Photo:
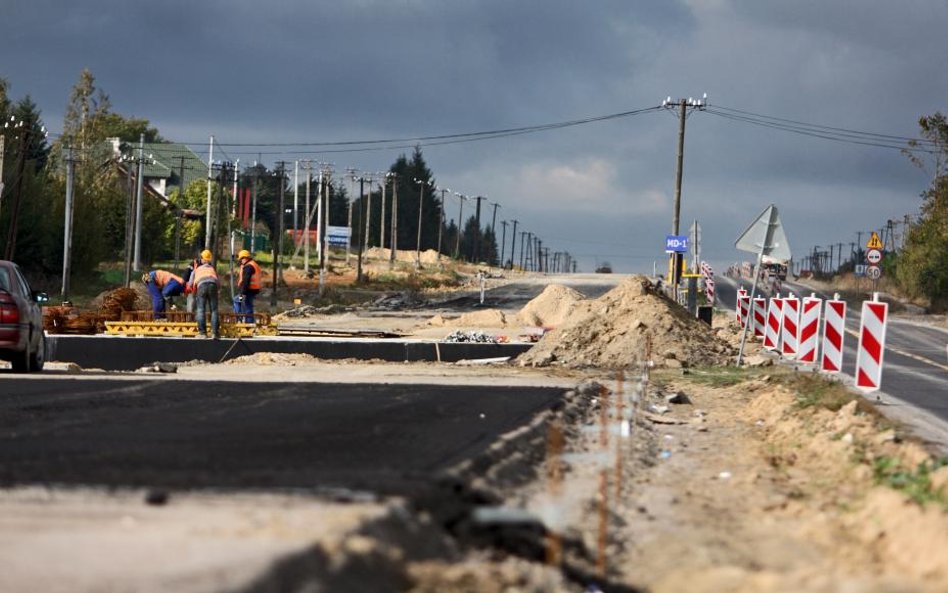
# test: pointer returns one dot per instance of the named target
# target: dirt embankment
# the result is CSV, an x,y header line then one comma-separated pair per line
x,y
625,327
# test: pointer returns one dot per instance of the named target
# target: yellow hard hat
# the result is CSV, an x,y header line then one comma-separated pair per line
x,y
206,255
243,253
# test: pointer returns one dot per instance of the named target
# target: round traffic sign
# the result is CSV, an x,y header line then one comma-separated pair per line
x,y
874,272
873,256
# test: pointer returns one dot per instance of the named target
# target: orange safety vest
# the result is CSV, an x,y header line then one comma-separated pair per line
x,y
204,273
162,277
254,279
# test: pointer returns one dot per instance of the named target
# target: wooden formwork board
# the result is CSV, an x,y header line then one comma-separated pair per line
x,y
174,329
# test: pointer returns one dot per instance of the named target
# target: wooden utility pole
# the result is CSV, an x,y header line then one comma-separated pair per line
x,y
278,240
67,222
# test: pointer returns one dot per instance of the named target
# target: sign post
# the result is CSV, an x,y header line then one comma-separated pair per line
x,y
765,236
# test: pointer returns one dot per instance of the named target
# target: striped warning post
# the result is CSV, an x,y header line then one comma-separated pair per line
x,y
743,307
737,310
772,330
871,345
834,330
809,329
790,324
760,316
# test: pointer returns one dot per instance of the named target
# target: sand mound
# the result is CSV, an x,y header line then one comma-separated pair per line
x,y
551,308
485,318
428,256
613,332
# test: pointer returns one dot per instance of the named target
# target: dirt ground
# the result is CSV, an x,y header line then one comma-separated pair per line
x,y
710,479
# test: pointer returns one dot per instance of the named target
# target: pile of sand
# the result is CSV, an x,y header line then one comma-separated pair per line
x,y
552,308
428,256
614,331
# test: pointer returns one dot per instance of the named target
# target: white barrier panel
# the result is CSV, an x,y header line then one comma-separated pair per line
x,y
809,329
871,345
790,323
834,331
772,331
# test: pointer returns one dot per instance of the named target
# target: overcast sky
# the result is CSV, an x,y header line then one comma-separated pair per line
x,y
295,71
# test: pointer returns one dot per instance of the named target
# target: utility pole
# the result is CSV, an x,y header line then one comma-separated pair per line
x,y
296,197
278,240
683,105
207,227
306,218
477,237
503,244
322,223
67,226
382,218
421,202
392,254
139,203
362,215
178,213
457,245
441,222
253,210
513,243
523,241
368,212
539,255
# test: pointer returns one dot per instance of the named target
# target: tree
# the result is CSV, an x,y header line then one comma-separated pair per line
x,y
922,267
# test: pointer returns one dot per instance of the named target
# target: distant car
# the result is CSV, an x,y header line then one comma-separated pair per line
x,y
22,341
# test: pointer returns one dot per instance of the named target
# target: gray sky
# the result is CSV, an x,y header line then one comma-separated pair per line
x,y
297,71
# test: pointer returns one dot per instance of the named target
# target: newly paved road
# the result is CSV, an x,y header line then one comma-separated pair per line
x,y
388,439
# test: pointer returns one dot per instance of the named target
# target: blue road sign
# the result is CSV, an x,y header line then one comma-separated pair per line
x,y
676,243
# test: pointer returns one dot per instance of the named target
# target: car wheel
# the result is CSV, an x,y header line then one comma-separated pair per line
x,y
38,358
21,361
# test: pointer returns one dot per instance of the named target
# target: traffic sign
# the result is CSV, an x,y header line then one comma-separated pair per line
x,y
874,241
873,256
860,269
874,272
676,243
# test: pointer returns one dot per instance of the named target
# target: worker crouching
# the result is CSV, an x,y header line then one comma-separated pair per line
x,y
205,284
162,286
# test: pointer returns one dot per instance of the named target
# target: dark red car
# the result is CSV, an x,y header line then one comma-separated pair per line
x,y
22,341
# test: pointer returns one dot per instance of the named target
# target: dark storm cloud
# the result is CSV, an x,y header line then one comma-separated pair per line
x,y
316,71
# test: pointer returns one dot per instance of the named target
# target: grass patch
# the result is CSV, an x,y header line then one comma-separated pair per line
x,y
914,483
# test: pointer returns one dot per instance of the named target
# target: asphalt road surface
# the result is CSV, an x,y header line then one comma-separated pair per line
x,y
915,369
385,439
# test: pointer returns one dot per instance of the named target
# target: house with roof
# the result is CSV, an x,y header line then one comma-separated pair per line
x,y
168,166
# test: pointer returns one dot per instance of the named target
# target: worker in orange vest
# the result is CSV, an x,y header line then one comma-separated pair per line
x,y
162,286
205,285
248,286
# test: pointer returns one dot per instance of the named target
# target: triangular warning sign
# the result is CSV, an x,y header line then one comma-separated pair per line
x,y
765,236
874,242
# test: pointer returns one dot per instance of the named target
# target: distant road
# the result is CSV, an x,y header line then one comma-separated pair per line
x,y
915,368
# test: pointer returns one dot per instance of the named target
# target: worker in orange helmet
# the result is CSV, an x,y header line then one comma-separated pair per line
x,y
248,286
162,286
205,284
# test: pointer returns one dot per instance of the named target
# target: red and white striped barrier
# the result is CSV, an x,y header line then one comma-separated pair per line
x,y
737,310
871,345
743,308
790,323
809,329
708,272
772,330
760,316
834,330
